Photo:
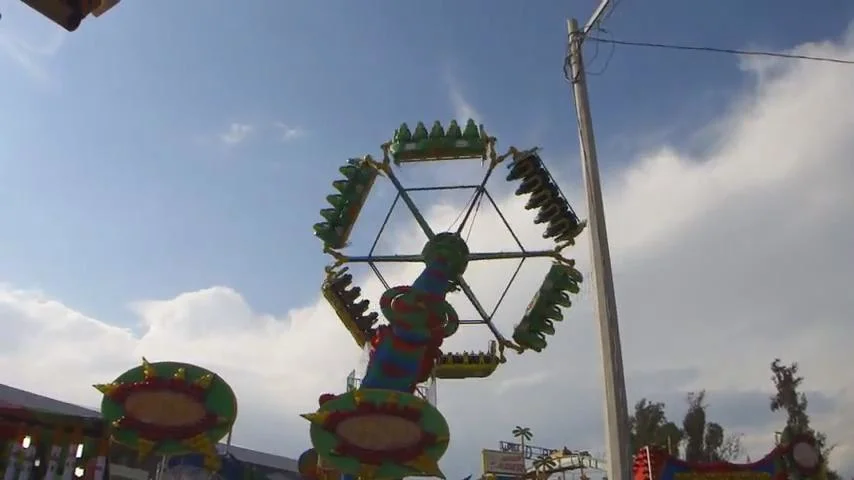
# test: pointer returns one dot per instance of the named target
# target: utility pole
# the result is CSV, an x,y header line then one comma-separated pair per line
x,y
616,408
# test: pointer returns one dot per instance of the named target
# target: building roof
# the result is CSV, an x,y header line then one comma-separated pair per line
x,y
254,457
10,396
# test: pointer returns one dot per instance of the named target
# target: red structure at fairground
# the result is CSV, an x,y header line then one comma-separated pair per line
x,y
799,459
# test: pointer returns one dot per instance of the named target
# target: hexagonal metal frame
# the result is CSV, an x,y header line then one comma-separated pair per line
x,y
480,191
477,197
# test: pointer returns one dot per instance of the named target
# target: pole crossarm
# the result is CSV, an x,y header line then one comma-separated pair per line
x,y
597,15
415,258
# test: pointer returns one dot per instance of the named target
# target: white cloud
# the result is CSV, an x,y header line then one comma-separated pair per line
x,y
289,132
29,41
463,109
722,263
236,133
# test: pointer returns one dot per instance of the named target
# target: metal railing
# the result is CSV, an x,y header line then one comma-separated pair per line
x,y
427,391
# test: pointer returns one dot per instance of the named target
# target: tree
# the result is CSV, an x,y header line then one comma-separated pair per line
x,y
787,381
707,441
713,441
650,427
543,464
702,441
789,399
524,435
731,449
694,426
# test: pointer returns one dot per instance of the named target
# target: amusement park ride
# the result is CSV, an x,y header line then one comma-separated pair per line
x,y
382,429
379,428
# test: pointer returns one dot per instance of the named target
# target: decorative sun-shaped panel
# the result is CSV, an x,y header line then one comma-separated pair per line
x,y
379,434
169,408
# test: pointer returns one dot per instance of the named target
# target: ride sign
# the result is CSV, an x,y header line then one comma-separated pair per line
x,y
503,462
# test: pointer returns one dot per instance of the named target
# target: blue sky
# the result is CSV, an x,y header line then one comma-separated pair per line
x,y
117,184
120,189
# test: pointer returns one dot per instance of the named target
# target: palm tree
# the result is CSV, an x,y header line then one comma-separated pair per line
x,y
524,435
538,463
543,464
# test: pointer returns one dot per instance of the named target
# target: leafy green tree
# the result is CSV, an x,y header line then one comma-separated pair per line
x,y
731,449
788,398
694,426
713,441
707,441
650,427
702,441
543,464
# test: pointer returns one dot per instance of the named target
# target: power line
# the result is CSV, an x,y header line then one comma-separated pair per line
x,y
731,51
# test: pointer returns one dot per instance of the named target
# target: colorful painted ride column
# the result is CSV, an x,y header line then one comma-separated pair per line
x,y
419,319
381,429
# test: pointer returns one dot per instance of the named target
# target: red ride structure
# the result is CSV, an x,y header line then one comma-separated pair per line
x,y
799,459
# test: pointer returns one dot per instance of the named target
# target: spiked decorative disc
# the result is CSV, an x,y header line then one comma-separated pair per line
x,y
169,408
380,434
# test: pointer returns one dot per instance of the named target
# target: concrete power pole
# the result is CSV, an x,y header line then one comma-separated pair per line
x,y
616,408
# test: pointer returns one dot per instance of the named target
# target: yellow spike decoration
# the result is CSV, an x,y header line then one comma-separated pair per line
x,y
204,381
144,447
318,418
106,388
198,442
180,374
147,369
202,444
393,398
367,472
426,465
212,462
358,397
